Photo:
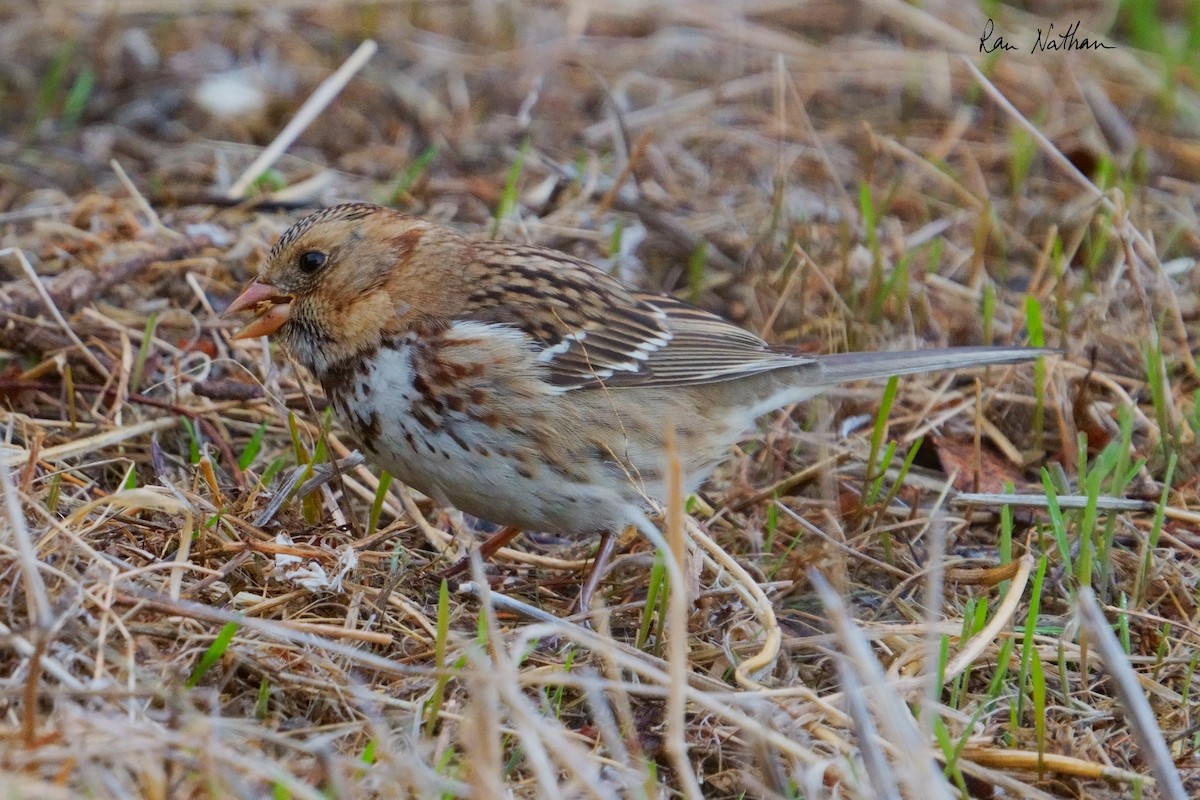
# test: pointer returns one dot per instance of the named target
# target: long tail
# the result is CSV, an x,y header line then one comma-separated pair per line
x,y
823,372
845,367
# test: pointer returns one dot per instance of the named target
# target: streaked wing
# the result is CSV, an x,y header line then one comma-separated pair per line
x,y
594,332
704,348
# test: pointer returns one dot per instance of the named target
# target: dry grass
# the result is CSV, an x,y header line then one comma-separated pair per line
x,y
836,176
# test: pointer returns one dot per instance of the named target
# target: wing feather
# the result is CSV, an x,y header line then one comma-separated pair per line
x,y
592,332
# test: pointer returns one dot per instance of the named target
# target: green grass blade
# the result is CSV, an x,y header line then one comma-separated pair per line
x,y
508,197
139,365
434,704
214,652
253,447
385,480
412,173
879,431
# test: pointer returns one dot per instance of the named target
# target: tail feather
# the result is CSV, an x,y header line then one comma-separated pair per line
x,y
823,372
845,367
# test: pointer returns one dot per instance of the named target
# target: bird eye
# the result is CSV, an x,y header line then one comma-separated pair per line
x,y
311,261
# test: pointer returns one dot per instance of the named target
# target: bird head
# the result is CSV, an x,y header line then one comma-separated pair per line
x,y
339,281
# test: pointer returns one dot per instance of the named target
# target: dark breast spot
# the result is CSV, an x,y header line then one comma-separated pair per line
x,y
422,416
489,418
341,374
373,428
458,440
446,374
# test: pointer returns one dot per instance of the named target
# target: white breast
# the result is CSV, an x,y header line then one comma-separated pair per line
x,y
459,453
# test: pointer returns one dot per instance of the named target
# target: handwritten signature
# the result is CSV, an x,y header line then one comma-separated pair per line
x,y
1071,40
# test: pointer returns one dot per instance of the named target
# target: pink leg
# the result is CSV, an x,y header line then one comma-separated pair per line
x,y
486,550
604,553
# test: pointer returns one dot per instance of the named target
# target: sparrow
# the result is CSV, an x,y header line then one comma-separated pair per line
x,y
522,385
